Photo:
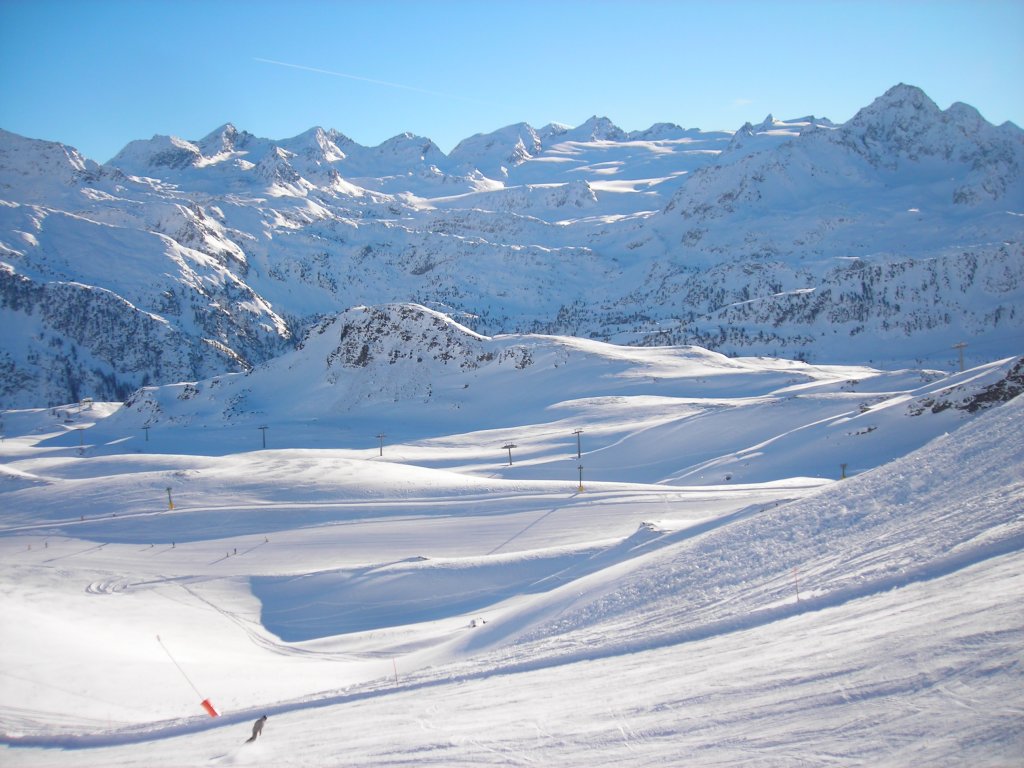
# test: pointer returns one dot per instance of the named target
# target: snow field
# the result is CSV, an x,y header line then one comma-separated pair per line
x,y
419,608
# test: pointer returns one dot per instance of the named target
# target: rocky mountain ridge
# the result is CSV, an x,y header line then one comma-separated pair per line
x,y
429,377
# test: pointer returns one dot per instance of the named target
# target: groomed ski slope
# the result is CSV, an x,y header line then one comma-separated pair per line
x,y
386,614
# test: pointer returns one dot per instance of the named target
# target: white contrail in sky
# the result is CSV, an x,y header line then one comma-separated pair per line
x,y
371,80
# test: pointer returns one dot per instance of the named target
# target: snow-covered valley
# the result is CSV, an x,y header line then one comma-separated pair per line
x,y
426,546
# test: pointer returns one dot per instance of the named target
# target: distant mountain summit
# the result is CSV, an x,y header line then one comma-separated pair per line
x,y
884,240
144,155
494,153
904,124
597,129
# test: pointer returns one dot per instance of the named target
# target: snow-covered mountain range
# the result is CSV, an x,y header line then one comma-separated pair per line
x,y
883,241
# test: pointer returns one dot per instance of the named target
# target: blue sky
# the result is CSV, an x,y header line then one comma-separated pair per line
x,y
97,74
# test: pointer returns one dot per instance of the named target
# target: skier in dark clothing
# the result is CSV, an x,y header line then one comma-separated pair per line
x,y
257,729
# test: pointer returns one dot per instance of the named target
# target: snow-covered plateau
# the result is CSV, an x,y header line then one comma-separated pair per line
x,y
408,543
882,241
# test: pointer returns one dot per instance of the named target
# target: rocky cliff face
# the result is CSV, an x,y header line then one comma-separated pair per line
x,y
883,240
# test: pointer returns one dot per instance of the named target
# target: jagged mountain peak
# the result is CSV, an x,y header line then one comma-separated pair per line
x,y
598,129
276,168
971,122
494,153
745,131
901,105
904,124
406,138
659,131
144,156
412,147
320,135
552,130
901,149
965,115
56,157
226,139
220,139
904,92
509,133
514,130
41,172
318,145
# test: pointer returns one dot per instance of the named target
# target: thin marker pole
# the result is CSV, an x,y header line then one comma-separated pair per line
x,y
205,703
174,661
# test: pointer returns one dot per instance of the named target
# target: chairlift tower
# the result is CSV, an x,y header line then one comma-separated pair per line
x,y
509,447
959,346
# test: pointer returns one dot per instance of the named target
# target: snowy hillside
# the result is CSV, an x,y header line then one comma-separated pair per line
x,y
445,575
433,376
882,241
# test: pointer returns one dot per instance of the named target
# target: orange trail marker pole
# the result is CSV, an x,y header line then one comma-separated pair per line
x,y
205,703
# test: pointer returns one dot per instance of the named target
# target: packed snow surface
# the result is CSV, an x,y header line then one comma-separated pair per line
x,y
691,583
